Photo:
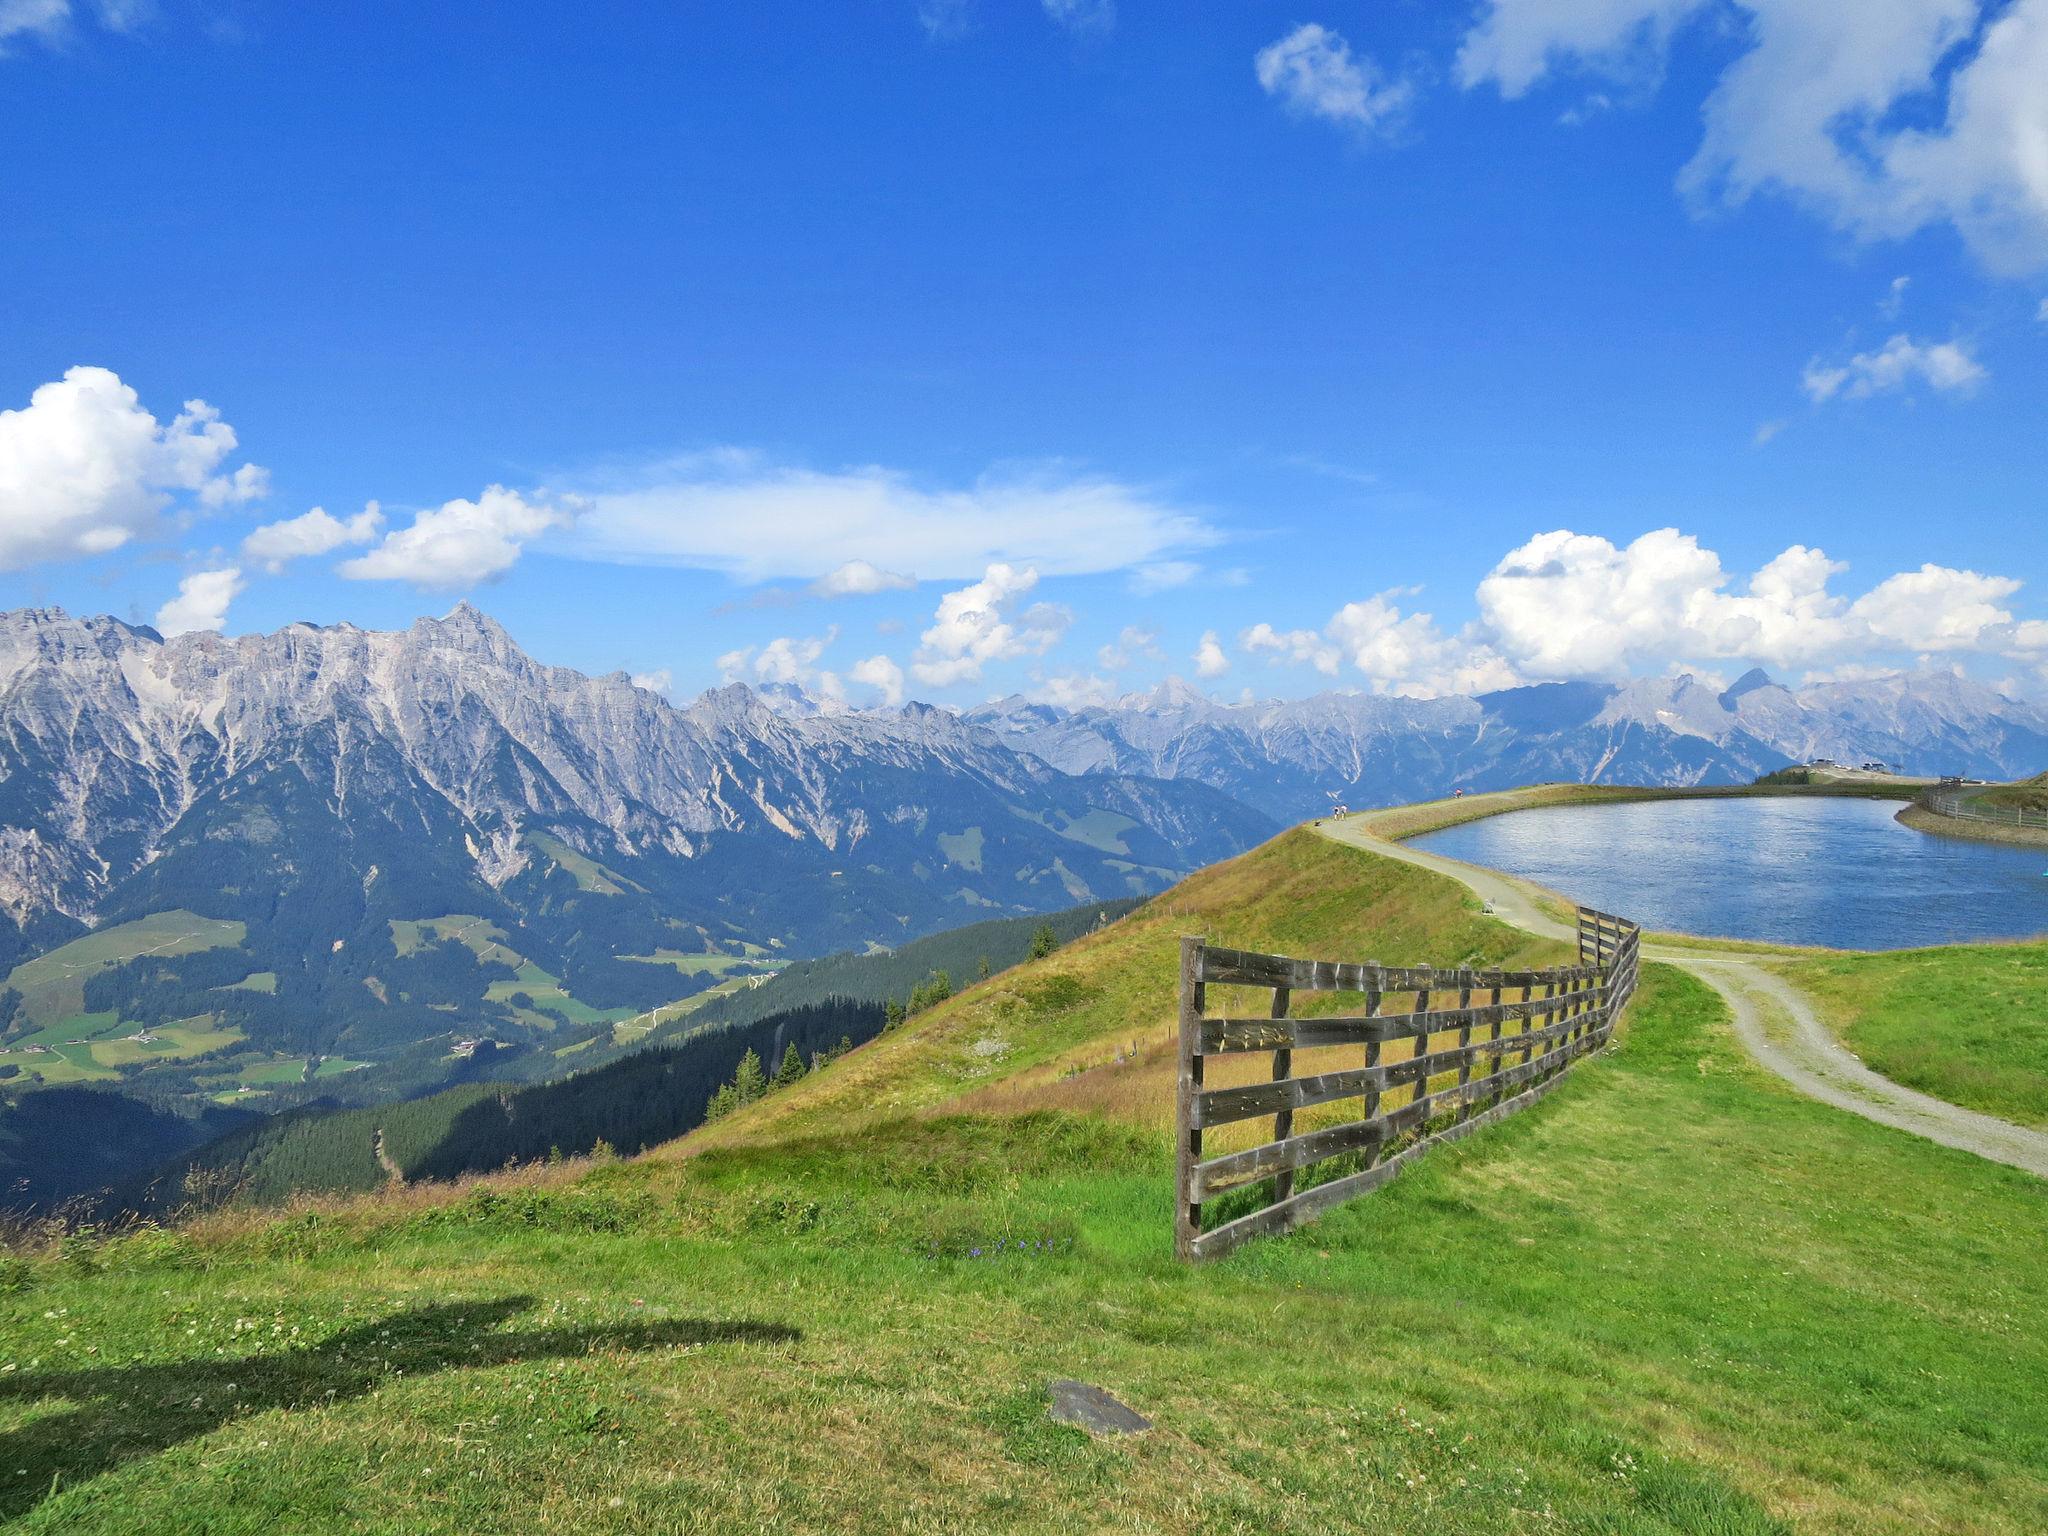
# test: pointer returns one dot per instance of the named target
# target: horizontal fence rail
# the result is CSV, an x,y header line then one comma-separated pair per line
x,y
1469,1047
1967,807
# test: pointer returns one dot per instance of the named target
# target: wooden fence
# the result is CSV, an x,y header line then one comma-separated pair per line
x,y
1967,807
1462,1064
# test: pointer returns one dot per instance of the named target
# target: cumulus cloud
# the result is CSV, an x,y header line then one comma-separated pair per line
x,y
1575,605
1937,608
660,681
202,601
1132,641
880,674
460,543
1569,605
1313,73
986,622
1075,690
84,468
1946,366
731,512
1302,647
1209,658
1405,653
857,578
1814,107
318,532
792,659
1397,652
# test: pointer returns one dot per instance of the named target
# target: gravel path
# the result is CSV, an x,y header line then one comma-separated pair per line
x,y
1771,1018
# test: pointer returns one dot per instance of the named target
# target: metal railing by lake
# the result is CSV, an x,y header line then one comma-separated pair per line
x,y
1965,806
1503,1052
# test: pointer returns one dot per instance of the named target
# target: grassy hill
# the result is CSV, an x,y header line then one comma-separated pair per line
x,y
2030,794
1674,1297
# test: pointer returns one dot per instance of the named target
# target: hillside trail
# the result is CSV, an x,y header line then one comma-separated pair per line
x,y
1772,1019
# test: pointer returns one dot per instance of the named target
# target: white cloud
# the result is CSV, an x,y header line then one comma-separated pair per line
x,y
202,601
51,21
1571,605
1132,641
460,543
1408,654
1313,72
1162,576
1303,647
1816,107
984,622
1946,366
1937,609
785,659
1575,605
1082,15
1209,659
857,578
1765,431
943,19
1894,298
2041,314
84,468
881,674
660,681
318,532
729,512
1403,653
791,659
43,19
1075,691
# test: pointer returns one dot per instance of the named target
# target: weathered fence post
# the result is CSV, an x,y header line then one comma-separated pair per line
x,y
1283,1121
1188,1220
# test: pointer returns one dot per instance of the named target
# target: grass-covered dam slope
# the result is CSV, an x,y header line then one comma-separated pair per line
x,y
1673,1297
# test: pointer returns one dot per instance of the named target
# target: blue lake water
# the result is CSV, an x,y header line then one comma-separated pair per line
x,y
1842,873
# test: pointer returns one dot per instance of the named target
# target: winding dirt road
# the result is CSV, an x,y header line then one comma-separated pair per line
x,y
1773,1021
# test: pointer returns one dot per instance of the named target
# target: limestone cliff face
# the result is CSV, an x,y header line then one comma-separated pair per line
x,y
113,737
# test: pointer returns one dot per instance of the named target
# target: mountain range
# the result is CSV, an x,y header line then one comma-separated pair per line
x,y
334,861
239,864
1293,758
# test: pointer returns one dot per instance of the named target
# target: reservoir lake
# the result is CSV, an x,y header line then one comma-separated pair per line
x,y
1840,873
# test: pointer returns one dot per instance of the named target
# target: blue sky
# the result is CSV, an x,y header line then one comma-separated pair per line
x,y
951,349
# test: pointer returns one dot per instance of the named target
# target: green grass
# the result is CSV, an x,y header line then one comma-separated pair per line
x,y
484,939
1672,1297
291,1070
1968,1024
962,848
699,964
2028,794
188,1037
255,981
52,986
548,992
586,871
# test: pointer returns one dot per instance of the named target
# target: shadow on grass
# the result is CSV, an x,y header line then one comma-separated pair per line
x,y
120,1413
